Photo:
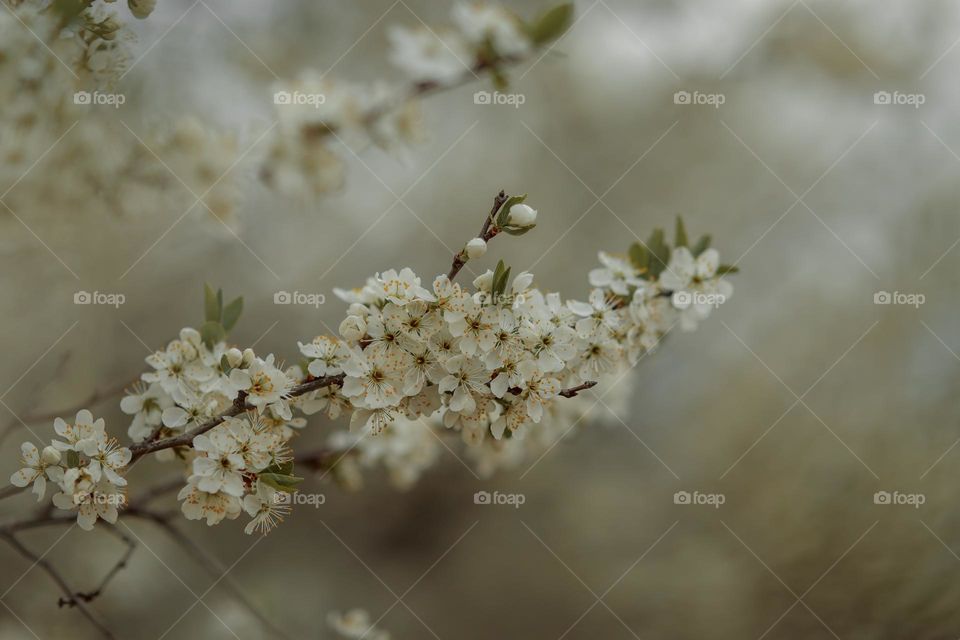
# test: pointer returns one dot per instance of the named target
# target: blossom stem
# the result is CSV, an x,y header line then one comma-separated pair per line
x,y
487,231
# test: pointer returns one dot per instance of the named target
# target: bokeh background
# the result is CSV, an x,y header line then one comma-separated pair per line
x,y
797,401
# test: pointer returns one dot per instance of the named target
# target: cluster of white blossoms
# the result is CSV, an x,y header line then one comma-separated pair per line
x,y
315,112
239,464
86,466
491,362
497,362
482,34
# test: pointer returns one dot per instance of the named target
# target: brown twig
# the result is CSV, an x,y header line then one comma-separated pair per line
x,y
44,564
487,231
573,391
87,596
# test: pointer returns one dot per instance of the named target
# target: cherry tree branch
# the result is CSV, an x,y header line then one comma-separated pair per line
x,y
240,406
573,391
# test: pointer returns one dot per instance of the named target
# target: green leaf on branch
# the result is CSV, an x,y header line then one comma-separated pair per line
x,y
724,269
225,365
281,481
501,276
659,252
284,469
211,333
231,313
702,245
517,231
680,237
211,304
551,24
73,459
639,257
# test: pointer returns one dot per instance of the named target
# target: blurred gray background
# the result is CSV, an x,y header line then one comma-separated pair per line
x,y
798,400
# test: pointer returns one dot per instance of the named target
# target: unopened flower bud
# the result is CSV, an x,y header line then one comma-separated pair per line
x,y
141,8
234,357
50,455
522,215
357,309
352,328
476,248
248,357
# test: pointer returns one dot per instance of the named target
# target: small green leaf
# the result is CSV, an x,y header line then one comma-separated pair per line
x,y
501,276
724,269
497,271
680,237
639,257
551,24
211,333
231,313
225,365
660,252
501,218
517,231
210,305
285,469
73,459
281,481
702,245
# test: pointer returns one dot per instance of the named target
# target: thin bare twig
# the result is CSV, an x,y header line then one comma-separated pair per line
x,y
487,231
87,596
50,570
